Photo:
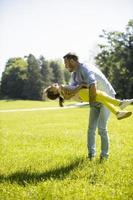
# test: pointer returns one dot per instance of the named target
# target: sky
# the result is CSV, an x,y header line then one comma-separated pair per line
x,y
53,28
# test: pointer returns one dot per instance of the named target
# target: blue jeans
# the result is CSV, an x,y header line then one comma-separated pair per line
x,y
99,115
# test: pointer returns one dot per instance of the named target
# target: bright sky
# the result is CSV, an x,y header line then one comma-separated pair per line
x,y
53,28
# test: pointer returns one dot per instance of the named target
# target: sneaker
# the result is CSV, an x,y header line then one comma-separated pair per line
x,y
125,103
123,114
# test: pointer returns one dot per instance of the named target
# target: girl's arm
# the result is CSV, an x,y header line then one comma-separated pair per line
x,y
70,91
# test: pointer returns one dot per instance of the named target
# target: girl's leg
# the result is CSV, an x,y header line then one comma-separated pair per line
x,y
111,107
115,109
110,102
103,96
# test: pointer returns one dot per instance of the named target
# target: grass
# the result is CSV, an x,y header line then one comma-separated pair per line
x,y
15,104
43,156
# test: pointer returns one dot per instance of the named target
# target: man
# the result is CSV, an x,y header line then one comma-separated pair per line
x,y
99,114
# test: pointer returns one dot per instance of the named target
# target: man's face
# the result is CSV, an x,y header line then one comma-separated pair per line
x,y
69,64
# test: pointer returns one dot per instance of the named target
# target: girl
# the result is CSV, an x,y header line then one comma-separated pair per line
x,y
81,93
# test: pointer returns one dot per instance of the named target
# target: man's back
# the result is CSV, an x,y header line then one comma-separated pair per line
x,y
102,82
91,75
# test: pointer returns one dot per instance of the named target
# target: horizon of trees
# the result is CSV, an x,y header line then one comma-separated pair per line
x,y
26,78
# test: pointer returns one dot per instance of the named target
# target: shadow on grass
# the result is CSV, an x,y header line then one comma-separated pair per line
x,y
24,177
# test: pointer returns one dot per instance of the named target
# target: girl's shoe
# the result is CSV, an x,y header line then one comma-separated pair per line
x,y
123,114
125,103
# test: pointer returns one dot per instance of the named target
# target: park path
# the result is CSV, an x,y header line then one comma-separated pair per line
x,y
46,108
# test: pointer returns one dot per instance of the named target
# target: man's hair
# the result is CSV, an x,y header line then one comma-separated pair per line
x,y
71,56
51,95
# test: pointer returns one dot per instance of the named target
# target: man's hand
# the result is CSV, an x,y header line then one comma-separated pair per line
x,y
92,93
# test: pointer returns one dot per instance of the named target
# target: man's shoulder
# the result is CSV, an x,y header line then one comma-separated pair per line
x,y
84,66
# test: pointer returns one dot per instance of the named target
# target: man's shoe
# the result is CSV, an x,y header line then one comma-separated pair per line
x,y
103,159
91,158
123,114
125,103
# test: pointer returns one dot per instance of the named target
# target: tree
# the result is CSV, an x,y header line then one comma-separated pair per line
x,y
33,85
116,59
57,72
13,77
46,72
67,76
27,77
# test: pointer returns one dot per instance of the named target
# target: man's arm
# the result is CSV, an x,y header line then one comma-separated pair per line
x,y
92,93
70,91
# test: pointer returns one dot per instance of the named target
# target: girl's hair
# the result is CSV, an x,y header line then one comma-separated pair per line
x,y
61,101
51,95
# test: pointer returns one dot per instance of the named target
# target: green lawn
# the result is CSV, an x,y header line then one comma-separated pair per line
x,y
43,156
15,104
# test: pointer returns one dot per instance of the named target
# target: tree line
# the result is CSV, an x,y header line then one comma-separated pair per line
x,y
25,78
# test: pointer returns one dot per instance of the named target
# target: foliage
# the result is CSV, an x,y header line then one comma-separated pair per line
x,y
25,78
58,74
13,77
67,76
46,72
116,59
33,84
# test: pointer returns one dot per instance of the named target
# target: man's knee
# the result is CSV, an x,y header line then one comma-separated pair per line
x,y
102,131
91,130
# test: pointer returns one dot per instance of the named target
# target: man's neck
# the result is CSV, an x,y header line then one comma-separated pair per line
x,y
76,66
